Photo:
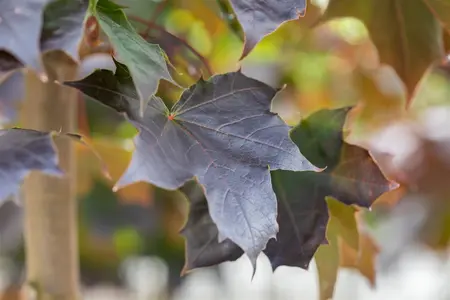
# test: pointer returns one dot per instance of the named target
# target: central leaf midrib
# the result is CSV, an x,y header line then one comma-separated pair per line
x,y
247,221
212,163
178,113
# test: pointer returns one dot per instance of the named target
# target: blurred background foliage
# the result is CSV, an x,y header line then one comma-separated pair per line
x,y
326,66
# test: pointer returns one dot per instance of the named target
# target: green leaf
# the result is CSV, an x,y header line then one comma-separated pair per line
x,y
146,62
342,224
406,33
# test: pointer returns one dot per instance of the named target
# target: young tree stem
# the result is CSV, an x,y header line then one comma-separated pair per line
x,y
50,205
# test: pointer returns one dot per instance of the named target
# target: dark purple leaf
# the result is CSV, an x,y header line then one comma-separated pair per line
x,y
220,131
29,27
302,210
11,91
63,26
258,18
21,151
302,217
201,234
20,30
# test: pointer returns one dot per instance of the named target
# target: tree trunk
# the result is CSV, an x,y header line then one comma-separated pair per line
x,y
50,205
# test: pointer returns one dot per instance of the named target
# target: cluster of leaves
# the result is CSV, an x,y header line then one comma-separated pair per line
x,y
259,185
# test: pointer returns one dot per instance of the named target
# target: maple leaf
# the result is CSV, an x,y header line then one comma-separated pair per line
x,y
21,151
392,24
17,18
11,92
201,234
260,18
49,25
146,62
222,132
63,26
62,29
351,176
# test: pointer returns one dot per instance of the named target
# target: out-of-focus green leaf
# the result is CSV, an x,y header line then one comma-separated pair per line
x,y
199,38
127,241
179,21
342,225
441,10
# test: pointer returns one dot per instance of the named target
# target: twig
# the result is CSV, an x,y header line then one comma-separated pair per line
x,y
229,16
83,123
152,25
158,10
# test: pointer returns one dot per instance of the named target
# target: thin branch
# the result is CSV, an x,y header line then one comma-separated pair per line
x,y
227,13
158,10
152,25
83,123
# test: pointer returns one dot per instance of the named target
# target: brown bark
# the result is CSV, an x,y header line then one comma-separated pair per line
x,y
50,206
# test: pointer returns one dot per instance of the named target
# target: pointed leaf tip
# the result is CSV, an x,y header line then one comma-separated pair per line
x,y
259,19
146,62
